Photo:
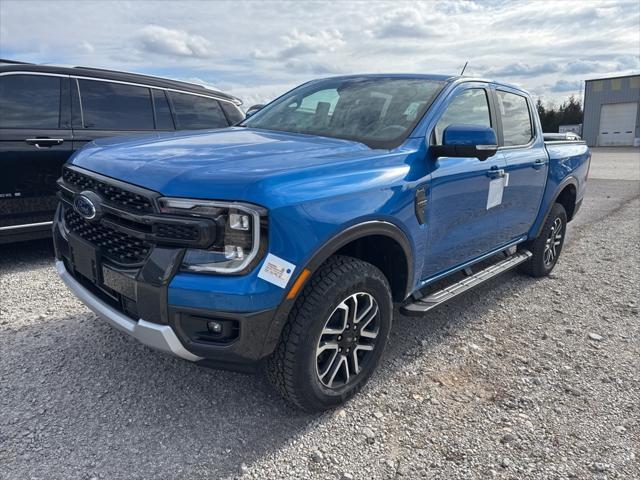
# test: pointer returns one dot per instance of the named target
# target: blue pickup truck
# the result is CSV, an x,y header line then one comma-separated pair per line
x,y
285,241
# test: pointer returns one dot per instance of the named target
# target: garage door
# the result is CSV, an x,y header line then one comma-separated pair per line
x,y
617,124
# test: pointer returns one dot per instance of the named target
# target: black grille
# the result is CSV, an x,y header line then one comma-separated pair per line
x,y
116,246
115,195
177,232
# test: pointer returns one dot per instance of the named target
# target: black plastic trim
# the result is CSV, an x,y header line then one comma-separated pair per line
x,y
355,232
206,227
247,348
150,195
566,182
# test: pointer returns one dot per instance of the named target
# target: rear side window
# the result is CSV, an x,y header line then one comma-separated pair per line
x,y
164,121
470,107
115,106
29,101
234,114
516,119
194,112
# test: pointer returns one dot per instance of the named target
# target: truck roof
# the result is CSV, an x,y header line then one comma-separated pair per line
x,y
431,76
12,65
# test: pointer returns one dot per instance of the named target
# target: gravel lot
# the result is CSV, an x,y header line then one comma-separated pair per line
x,y
518,379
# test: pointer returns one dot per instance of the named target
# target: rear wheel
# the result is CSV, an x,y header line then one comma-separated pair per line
x,y
335,335
546,248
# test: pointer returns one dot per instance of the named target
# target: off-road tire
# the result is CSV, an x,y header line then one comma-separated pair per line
x,y
292,368
537,265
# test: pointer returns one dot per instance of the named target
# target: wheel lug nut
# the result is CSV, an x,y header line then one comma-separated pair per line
x,y
339,337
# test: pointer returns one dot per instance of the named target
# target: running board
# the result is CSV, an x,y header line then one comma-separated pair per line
x,y
418,307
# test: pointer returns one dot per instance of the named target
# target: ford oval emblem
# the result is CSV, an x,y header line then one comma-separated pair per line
x,y
85,207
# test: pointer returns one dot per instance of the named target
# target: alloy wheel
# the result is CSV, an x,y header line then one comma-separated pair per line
x,y
347,340
553,243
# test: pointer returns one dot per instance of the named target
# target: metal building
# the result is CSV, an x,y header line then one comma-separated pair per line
x,y
612,111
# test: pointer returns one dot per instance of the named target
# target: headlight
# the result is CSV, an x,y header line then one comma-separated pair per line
x,y
240,234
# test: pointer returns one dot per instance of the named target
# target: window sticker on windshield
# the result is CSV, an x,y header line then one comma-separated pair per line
x,y
276,270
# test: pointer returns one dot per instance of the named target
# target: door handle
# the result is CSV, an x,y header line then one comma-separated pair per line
x,y
44,142
539,163
496,173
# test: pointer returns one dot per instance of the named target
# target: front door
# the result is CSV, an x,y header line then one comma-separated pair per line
x,y
35,140
527,163
462,222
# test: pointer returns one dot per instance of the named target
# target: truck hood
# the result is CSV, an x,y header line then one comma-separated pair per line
x,y
228,164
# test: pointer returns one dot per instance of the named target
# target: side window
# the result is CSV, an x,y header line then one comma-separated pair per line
x,y
470,107
164,121
234,114
29,101
194,112
516,119
115,106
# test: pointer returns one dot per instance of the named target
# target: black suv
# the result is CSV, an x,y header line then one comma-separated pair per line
x,y
47,112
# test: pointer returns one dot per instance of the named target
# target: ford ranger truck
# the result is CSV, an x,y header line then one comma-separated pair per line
x,y
285,241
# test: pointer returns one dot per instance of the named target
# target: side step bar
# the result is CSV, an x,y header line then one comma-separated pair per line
x,y
418,307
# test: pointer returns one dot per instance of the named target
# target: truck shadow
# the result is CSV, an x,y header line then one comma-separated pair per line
x,y
101,395
25,255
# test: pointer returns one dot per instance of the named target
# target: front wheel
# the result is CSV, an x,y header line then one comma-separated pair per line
x,y
335,335
547,246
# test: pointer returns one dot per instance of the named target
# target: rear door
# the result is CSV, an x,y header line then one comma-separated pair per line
x,y
105,108
527,163
462,224
35,140
196,112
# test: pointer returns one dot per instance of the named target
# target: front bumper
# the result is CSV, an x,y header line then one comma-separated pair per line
x,y
125,262
145,311
160,337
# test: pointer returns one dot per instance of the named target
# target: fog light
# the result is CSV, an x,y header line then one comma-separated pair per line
x,y
214,327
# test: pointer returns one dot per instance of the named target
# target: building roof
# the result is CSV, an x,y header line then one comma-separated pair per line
x,y
613,76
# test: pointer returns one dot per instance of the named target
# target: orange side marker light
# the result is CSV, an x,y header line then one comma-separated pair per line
x,y
297,285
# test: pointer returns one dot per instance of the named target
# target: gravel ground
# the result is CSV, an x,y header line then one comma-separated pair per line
x,y
615,163
518,379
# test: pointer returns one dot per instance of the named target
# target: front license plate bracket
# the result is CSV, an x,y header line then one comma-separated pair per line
x,y
85,259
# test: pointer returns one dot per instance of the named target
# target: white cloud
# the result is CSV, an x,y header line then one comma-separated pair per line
x,y
256,50
297,44
411,23
166,41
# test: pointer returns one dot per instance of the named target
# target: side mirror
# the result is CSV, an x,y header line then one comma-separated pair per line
x,y
467,141
253,109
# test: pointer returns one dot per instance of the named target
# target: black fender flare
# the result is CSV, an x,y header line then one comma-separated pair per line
x,y
570,180
344,237
361,230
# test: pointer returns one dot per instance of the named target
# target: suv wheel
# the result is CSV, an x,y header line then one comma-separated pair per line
x,y
547,246
335,335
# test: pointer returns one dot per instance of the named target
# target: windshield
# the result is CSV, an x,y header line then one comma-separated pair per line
x,y
379,112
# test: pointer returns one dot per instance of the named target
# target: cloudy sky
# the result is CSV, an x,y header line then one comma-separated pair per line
x,y
257,50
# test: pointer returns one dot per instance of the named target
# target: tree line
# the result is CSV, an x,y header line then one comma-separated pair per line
x,y
568,113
